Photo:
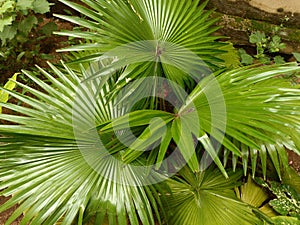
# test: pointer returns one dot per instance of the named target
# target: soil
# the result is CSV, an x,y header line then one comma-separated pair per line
x,y
294,161
6,214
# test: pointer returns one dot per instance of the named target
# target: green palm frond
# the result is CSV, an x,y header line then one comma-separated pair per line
x,y
43,162
252,193
8,85
206,198
159,38
260,114
248,111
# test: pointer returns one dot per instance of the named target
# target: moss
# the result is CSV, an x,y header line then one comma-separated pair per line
x,y
294,35
233,22
263,26
239,19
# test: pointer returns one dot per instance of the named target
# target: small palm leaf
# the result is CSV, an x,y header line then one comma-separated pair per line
x,y
252,193
206,198
55,172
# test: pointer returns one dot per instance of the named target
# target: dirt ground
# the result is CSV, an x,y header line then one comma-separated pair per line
x,y
5,215
294,161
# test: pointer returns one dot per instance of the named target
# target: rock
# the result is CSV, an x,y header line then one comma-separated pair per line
x,y
239,18
276,12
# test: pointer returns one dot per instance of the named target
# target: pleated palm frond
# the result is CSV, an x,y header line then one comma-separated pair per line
x,y
206,198
149,38
250,113
43,163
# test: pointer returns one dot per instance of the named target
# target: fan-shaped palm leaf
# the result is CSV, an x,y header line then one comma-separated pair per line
x,y
206,198
152,36
261,113
43,162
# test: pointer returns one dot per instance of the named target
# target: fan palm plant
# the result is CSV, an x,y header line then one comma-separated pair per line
x,y
127,136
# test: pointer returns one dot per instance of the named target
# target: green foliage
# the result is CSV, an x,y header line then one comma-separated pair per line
x,y
17,15
62,183
48,28
58,173
252,193
287,200
246,59
230,57
258,38
275,211
180,36
206,198
264,46
285,220
279,60
297,56
21,32
10,85
275,44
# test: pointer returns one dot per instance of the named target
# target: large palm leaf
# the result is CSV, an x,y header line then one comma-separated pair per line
x,y
44,165
261,113
151,37
248,111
